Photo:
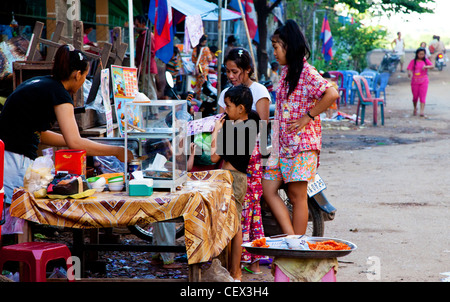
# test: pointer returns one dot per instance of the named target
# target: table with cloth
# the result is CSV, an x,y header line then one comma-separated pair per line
x,y
205,203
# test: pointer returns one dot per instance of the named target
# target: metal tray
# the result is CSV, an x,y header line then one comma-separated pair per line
x,y
310,254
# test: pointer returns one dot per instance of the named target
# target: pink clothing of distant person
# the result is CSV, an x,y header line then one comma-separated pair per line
x,y
419,79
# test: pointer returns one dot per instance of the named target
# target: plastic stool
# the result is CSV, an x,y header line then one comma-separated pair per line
x,y
36,255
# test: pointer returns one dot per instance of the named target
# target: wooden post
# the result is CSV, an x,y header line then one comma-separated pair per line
x,y
102,17
219,43
51,15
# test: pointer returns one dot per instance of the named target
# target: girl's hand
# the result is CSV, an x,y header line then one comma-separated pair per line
x,y
299,124
219,123
193,147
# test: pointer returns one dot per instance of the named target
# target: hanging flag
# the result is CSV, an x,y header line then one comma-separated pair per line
x,y
250,16
160,14
327,39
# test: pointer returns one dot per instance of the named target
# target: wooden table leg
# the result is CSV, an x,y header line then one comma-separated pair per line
x,y
195,272
27,235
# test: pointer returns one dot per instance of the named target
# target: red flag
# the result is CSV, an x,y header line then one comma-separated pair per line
x,y
250,16
160,13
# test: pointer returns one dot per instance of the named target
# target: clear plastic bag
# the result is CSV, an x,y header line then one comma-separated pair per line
x,y
216,273
108,164
40,173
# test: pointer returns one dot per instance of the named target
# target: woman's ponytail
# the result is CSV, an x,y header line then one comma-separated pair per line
x,y
68,60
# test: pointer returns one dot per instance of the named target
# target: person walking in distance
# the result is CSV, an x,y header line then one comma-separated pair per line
x,y
398,45
417,71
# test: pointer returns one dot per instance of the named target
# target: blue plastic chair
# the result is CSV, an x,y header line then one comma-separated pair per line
x,y
371,77
340,81
348,80
381,84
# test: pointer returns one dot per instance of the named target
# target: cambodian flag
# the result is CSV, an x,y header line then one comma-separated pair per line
x,y
327,39
250,16
160,14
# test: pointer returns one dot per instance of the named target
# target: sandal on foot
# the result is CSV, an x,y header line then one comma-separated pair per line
x,y
251,272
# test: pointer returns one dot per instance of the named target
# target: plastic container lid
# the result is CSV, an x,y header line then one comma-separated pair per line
x,y
145,181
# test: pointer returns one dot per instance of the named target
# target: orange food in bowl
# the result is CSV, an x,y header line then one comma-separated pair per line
x,y
259,242
328,245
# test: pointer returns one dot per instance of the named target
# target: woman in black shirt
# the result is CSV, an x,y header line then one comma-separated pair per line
x,y
32,109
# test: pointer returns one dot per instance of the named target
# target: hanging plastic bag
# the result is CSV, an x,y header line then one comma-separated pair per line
x,y
39,174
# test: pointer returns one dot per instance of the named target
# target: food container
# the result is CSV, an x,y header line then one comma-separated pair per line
x,y
276,242
71,161
115,187
297,242
141,187
97,183
115,180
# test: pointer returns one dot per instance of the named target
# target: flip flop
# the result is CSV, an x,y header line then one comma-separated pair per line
x,y
251,272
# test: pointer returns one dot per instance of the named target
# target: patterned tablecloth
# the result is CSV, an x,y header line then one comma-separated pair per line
x,y
205,202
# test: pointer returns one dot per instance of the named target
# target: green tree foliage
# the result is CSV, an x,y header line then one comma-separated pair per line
x,y
352,42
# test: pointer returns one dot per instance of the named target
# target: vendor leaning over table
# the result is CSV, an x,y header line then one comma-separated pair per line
x,y
31,110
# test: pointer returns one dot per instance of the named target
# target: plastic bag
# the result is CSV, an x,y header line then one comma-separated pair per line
x,y
216,273
108,164
203,141
40,173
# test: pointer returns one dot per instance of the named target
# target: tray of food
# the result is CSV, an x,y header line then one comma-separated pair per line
x,y
300,247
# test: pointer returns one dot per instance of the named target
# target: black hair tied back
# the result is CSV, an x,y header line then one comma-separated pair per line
x,y
68,60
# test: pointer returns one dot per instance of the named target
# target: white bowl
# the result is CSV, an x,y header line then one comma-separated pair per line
x,y
115,187
99,189
296,242
97,182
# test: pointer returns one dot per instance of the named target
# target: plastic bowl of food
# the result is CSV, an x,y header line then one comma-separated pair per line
x,y
297,242
100,189
97,182
116,179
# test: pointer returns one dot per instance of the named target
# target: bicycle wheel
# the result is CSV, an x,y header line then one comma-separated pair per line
x,y
145,230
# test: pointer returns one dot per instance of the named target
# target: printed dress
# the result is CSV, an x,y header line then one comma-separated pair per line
x,y
297,157
252,227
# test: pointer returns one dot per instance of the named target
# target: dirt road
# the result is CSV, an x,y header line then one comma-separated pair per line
x,y
390,185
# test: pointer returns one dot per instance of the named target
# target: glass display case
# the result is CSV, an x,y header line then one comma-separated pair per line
x,y
161,127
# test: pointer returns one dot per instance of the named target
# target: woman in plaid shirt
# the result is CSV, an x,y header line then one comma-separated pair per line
x,y
302,95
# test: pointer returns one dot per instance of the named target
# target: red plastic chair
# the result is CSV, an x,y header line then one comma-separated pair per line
x,y
36,255
367,99
2,160
340,82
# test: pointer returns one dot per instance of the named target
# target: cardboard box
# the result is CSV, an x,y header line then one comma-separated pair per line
x,y
71,161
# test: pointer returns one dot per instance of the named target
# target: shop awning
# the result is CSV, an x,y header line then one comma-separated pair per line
x,y
207,10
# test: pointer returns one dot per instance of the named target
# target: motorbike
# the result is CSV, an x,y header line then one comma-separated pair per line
x,y
440,61
389,62
320,210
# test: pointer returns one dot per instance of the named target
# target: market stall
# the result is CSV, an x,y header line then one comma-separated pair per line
x,y
205,203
